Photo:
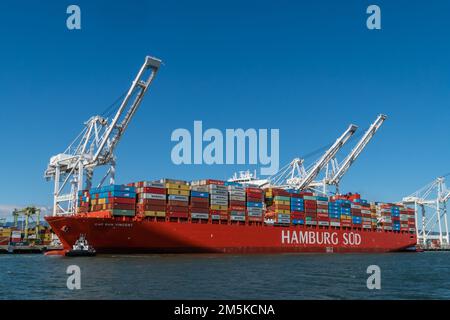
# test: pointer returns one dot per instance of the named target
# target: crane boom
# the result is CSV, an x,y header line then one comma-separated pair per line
x,y
137,89
94,146
348,161
327,156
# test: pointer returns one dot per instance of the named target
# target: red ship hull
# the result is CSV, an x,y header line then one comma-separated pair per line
x,y
109,235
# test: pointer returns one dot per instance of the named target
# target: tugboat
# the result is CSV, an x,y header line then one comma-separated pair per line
x,y
81,248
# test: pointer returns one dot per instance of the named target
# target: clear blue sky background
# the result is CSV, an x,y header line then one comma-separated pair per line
x,y
307,68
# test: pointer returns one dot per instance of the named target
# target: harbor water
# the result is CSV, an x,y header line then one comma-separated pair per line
x,y
204,276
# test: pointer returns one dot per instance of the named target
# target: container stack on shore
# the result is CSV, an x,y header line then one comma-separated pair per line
x,y
117,200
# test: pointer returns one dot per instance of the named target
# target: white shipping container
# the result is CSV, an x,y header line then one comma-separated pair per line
x,y
218,192
217,187
219,202
219,197
335,224
200,188
237,218
324,223
253,209
199,215
325,203
236,188
237,198
152,196
153,184
254,214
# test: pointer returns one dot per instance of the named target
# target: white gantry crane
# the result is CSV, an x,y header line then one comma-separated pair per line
x,y
94,146
335,171
430,203
294,175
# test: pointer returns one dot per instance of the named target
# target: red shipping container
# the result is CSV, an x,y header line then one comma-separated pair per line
x,y
200,205
254,197
121,200
177,209
175,214
280,192
322,206
293,211
153,190
177,203
237,203
155,202
150,207
257,191
218,182
237,208
255,219
296,195
199,210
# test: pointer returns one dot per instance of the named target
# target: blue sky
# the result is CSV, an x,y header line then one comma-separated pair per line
x,y
307,68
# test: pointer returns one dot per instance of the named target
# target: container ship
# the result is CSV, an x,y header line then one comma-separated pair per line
x,y
213,216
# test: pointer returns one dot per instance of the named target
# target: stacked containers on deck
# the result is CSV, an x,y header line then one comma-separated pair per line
x,y
385,213
404,217
237,207
199,204
411,220
373,215
323,218
254,202
151,199
345,211
297,208
366,214
218,197
279,206
310,202
395,213
334,213
84,198
177,198
356,215
118,200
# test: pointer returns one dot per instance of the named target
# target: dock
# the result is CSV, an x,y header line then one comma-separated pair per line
x,y
27,249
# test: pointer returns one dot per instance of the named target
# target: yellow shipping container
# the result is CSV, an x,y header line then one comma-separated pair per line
x,y
219,207
178,192
101,201
177,186
154,213
282,202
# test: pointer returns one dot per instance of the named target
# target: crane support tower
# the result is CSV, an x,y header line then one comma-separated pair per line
x,y
430,205
73,169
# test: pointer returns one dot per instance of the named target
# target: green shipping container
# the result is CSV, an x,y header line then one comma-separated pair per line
x,y
128,213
